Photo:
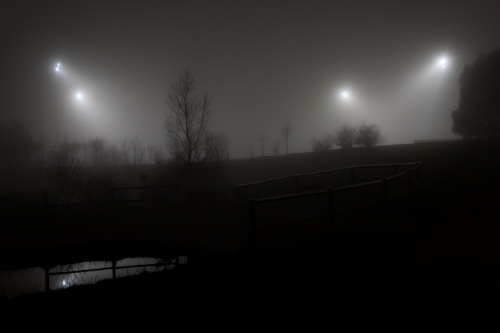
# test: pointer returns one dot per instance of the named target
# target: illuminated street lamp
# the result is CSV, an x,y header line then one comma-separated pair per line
x,y
442,63
58,70
79,96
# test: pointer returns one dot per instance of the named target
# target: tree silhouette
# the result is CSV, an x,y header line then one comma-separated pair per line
x,y
323,144
186,123
478,112
216,148
367,135
65,171
262,141
277,147
97,148
286,130
345,137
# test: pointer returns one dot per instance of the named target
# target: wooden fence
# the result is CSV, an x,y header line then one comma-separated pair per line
x,y
412,176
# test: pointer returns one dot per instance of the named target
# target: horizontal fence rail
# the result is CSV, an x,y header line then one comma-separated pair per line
x,y
412,177
296,178
172,262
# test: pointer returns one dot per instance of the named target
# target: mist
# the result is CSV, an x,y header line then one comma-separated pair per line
x,y
262,64
279,145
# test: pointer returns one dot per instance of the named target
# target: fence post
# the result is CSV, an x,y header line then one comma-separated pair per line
x,y
47,276
114,268
252,206
395,168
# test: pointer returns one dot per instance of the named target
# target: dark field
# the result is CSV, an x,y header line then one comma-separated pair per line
x,y
433,251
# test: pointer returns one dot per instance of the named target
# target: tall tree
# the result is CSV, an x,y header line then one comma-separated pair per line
x,y
186,123
286,130
478,112
262,141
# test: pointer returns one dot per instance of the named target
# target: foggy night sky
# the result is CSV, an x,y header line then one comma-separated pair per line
x,y
262,62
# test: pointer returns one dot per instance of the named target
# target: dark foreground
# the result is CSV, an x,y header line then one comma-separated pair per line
x,y
433,254
416,266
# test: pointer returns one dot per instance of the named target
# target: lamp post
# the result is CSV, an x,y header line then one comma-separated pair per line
x,y
58,70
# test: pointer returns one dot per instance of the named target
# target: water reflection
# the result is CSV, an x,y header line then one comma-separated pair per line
x,y
19,282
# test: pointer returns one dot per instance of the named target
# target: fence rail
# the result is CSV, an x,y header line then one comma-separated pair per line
x,y
170,262
396,167
413,178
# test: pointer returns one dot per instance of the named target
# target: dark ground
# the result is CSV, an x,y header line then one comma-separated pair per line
x,y
433,254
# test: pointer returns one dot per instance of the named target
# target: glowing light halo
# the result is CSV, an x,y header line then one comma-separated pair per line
x,y
345,94
442,62
79,96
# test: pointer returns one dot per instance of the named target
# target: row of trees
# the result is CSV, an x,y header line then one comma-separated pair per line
x,y
282,143
97,152
347,137
189,140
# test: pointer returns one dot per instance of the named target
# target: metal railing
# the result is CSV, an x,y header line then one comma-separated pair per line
x,y
296,178
171,262
413,178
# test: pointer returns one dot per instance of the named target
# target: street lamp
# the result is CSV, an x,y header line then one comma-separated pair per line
x,y
442,63
58,70
345,95
79,96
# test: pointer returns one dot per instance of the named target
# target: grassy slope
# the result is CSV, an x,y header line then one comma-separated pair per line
x,y
436,249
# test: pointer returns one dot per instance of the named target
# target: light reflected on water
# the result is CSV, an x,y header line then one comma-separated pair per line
x,y
19,282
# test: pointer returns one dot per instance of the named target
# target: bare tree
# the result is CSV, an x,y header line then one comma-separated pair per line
x,y
345,136
286,130
323,144
368,135
251,150
112,155
262,140
125,150
216,147
40,150
85,148
138,150
65,171
97,148
151,153
277,147
186,123
158,156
